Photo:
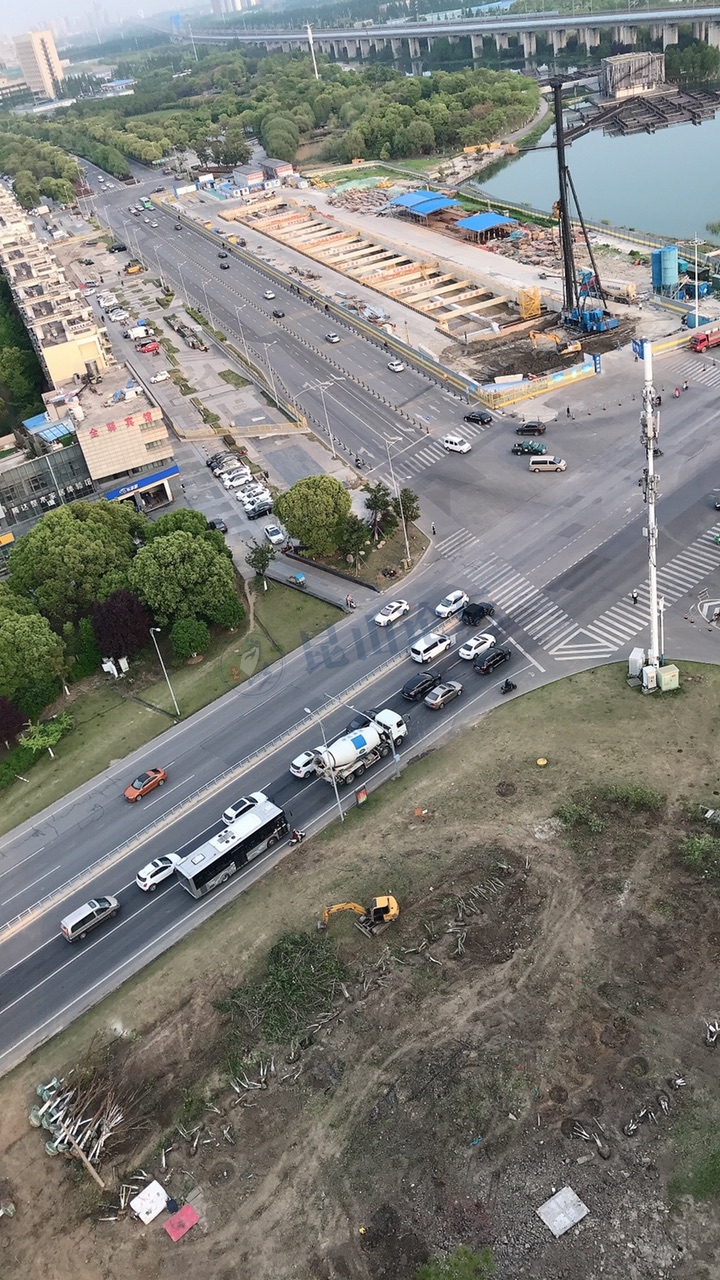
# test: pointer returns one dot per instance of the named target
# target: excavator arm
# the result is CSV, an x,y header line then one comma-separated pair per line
x,y
339,906
370,920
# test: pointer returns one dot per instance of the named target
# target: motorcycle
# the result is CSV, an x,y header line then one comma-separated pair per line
x,y
508,686
297,837
676,393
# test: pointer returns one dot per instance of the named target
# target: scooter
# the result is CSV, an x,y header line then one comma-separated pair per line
x,y
508,686
297,837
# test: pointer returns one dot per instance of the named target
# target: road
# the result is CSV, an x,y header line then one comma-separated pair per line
x,y
559,555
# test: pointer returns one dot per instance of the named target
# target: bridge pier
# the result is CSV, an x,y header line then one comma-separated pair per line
x,y
502,40
590,37
528,41
559,40
669,34
713,34
477,44
397,48
624,34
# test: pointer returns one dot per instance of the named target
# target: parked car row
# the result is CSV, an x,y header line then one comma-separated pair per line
x,y
235,475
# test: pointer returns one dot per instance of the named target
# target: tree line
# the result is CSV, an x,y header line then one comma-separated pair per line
x,y
87,582
21,375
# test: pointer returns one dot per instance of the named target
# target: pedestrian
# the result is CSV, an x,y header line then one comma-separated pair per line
x,y
635,596
568,411
432,528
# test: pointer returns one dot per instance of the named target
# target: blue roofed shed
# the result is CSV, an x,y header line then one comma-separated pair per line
x,y
484,226
421,204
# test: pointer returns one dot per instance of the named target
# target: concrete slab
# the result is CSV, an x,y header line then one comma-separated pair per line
x,y
562,1211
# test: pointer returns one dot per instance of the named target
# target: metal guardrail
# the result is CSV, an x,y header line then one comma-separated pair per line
x,y
203,793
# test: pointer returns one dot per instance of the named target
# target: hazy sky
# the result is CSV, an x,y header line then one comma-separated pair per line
x,y
34,14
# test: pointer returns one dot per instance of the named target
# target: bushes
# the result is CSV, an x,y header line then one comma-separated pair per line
x,y
15,765
701,853
189,637
633,796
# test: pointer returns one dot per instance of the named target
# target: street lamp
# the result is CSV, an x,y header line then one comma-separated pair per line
x,y
207,304
153,632
242,331
269,368
315,716
182,284
400,505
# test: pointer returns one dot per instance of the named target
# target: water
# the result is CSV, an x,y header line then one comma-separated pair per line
x,y
667,183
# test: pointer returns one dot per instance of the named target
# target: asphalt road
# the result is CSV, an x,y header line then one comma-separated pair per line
x,y
559,555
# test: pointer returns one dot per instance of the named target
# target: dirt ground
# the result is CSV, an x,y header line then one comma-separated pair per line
x,y
510,355
547,980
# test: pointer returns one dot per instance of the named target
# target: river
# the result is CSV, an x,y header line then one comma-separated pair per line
x,y
667,183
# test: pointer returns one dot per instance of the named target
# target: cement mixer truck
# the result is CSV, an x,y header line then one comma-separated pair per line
x,y
349,757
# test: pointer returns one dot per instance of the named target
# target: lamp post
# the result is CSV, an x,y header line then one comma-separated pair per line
x,y
153,632
182,284
400,505
207,304
242,331
269,368
315,716
322,387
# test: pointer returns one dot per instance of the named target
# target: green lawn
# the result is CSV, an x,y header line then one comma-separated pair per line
x,y
112,720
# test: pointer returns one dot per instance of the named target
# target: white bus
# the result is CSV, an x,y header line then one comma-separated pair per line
x,y
212,863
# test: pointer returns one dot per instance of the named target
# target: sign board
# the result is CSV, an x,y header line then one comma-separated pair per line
x,y
361,796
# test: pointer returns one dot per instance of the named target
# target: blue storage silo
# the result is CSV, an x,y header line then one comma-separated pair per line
x,y
656,267
669,267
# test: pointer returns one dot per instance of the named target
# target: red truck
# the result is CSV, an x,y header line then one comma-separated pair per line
x,y
701,341
148,348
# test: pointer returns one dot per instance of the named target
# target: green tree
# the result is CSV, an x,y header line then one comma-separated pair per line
x,y
46,735
121,625
189,637
407,506
26,189
62,562
29,650
82,648
227,611
260,555
312,512
12,721
353,535
379,502
461,1264
180,576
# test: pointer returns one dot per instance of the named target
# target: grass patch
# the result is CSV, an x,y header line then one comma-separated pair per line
x,y
165,299
233,378
632,796
701,853
209,418
182,384
576,814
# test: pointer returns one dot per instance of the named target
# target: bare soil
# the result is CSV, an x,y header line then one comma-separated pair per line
x,y
544,982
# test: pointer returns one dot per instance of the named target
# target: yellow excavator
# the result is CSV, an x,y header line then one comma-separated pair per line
x,y
564,348
371,920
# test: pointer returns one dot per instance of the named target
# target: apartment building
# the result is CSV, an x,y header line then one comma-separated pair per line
x,y
95,441
39,63
61,324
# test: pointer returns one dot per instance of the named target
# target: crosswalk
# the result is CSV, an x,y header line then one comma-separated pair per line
x,y
695,369
551,627
407,466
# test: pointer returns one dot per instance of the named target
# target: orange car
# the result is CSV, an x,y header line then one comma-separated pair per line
x,y
145,783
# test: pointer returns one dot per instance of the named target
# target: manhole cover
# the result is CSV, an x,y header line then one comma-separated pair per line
x,y
506,789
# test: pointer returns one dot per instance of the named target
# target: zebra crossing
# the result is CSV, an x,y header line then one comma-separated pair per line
x,y
544,621
408,466
696,369
551,627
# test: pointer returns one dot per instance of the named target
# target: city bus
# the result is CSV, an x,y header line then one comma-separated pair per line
x,y
147,204
212,863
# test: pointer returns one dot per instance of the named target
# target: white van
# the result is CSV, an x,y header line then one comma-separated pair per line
x,y
85,918
431,646
455,444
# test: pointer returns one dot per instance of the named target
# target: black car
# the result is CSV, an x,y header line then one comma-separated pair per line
x,y
487,662
178,226
474,613
117,248
278,314
530,429
158,190
262,509
479,416
218,524
224,266
418,686
360,721
222,254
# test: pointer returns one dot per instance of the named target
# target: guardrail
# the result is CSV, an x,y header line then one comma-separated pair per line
x,y
203,793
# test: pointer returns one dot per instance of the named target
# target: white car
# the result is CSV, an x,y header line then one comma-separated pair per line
x,y
331,337
392,611
154,224
235,481
452,604
256,499
274,535
162,376
241,806
120,317
480,643
396,366
455,444
148,878
268,295
304,764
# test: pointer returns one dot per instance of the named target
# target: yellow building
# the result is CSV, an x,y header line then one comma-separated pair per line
x,y
39,62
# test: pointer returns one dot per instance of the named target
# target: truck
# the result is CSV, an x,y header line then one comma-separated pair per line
x,y
351,755
702,341
134,269
140,331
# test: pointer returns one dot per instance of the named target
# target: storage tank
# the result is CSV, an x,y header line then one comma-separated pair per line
x,y
669,266
92,368
656,268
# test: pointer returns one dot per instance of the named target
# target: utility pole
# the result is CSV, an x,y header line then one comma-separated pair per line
x,y
650,424
563,206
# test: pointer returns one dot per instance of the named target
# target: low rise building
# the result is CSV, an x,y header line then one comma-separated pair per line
x,y
276,168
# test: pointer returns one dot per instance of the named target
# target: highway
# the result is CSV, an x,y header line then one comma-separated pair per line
x,y
558,555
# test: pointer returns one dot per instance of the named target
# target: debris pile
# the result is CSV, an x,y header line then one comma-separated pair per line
x,y
89,1114
359,199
